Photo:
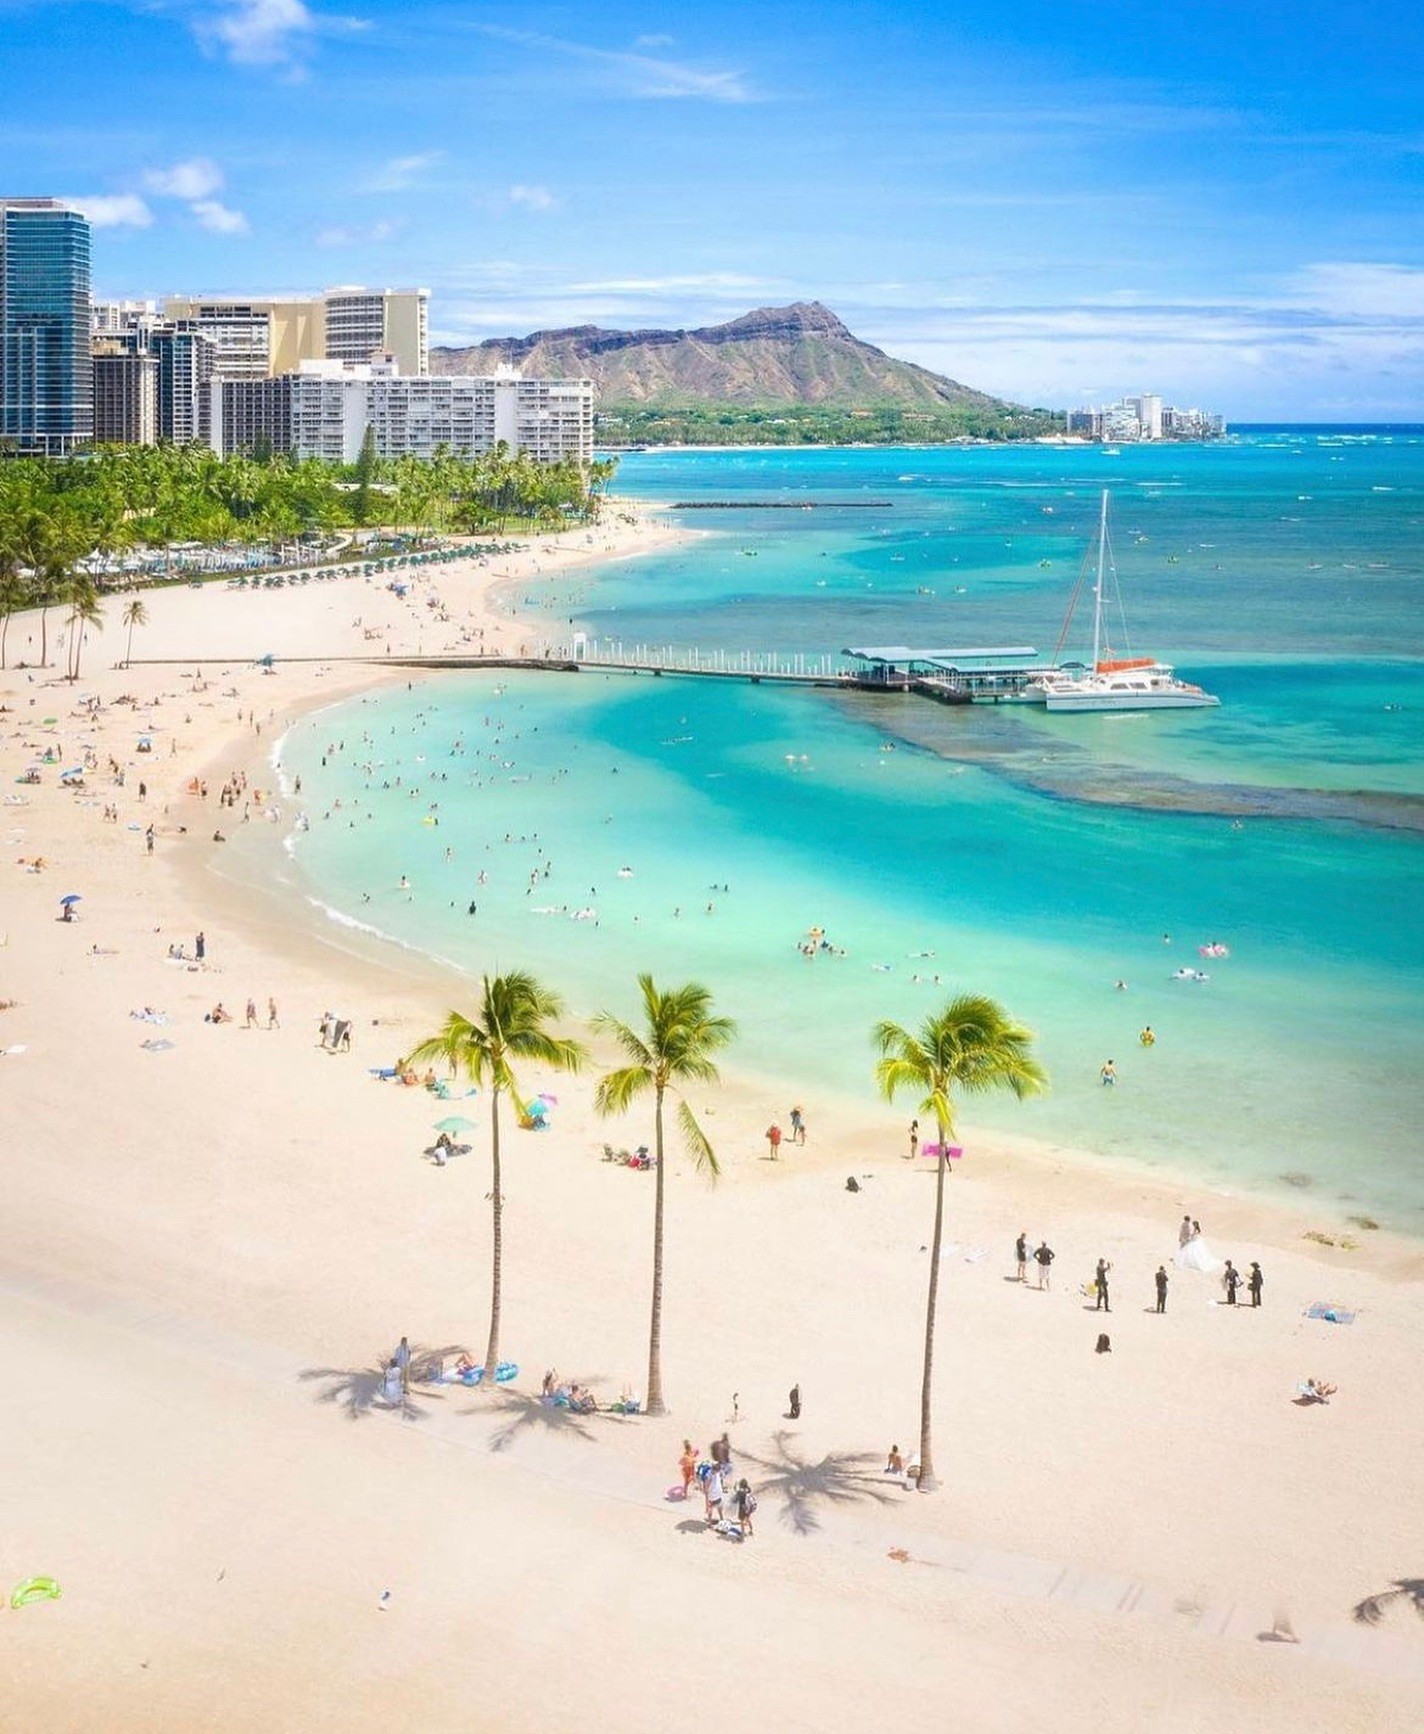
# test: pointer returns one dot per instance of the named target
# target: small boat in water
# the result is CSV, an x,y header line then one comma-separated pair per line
x,y
1111,682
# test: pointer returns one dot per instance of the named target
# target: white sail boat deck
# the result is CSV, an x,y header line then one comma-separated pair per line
x,y
1116,682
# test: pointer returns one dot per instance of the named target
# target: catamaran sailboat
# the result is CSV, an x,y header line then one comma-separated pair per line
x,y
1116,682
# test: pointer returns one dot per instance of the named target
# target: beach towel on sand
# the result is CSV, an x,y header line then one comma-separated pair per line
x,y
1333,1314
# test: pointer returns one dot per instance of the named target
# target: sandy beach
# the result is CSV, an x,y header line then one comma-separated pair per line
x,y
215,1235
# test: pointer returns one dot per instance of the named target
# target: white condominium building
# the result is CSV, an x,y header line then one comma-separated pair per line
x,y
260,338
327,406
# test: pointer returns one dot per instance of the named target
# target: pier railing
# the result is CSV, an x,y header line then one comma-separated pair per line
x,y
639,657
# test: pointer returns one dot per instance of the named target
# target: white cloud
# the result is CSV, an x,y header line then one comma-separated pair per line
x,y
338,235
1358,290
115,210
645,42
259,32
218,219
399,173
634,74
532,198
266,32
198,178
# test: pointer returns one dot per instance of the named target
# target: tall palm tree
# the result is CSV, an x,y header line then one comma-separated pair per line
x,y
14,595
972,1046
510,1024
679,1037
135,614
84,611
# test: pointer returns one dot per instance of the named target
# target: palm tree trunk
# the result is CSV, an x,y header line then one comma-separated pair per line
x,y
44,635
492,1347
128,648
4,634
928,1482
656,1406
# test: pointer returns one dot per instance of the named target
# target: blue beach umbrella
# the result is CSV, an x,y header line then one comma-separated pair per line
x,y
73,897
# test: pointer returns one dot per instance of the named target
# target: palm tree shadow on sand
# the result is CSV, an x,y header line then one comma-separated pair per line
x,y
839,1478
1407,1590
360,1391
524,1414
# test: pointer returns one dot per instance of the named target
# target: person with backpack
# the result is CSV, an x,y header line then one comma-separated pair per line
x,y
746,1504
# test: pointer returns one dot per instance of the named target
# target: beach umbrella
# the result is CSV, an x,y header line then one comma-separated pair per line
x,y
454,1123
73,897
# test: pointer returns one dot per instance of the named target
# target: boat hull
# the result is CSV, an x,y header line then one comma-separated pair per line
x,y
1083,701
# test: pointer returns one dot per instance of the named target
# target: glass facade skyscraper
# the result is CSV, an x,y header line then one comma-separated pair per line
x,y
46,376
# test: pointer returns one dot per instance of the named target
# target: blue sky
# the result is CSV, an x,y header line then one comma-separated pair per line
x,y
1059,200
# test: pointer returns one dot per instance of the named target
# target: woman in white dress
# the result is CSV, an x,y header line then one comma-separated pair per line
x,y
1193,1254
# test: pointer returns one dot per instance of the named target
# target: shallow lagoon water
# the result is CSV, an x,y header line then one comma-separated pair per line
x,y
991,840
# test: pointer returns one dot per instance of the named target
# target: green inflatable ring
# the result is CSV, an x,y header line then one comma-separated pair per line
x,y
34,1589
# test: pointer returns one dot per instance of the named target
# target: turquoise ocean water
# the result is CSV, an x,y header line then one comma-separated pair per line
x,y
1039,859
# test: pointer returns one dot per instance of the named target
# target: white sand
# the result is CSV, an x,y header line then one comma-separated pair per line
x,y
193,1235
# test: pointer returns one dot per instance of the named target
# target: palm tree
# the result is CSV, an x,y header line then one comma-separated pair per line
x,y
14,596
84,611
511,1024
972,1046
135,614
679,1037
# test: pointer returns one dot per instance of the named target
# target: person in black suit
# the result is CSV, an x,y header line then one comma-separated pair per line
x,y
1161,1280
1231,1277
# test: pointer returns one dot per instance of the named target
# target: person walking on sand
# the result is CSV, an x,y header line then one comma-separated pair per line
x,y
1254,1282
401,1358
773,1138
687,1465
1161,1280
1021,1256
798,1127
793,1404
914,1139
712,1492
1230,1281
745,1505
200,947
272,1023
250,1023
1043,1258
1100,1287
1184,1233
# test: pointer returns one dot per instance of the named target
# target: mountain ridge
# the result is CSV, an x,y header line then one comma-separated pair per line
x,y
799,355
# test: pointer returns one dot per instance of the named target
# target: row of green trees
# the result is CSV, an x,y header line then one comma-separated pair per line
x,y
972,1046
820,424
60,519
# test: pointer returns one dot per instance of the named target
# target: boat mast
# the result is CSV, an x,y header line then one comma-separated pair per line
x,y
1098,588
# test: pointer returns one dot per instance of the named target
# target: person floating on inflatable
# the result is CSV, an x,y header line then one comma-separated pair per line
x,y
1148,1038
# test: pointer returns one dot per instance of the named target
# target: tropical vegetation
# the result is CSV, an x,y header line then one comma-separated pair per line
x,y
67,525
819,425
510,1025
676,1042
971,1046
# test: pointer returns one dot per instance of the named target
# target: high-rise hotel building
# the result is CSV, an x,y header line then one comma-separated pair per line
x,y
260,338
46,375
325,409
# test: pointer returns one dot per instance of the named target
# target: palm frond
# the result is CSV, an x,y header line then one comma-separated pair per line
x,y
617,1091
696,1140
627,1038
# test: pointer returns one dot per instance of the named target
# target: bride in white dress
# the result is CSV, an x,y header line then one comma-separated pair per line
x,y
1193,1254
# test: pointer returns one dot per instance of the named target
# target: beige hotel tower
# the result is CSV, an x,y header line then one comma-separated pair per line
x,y
259,338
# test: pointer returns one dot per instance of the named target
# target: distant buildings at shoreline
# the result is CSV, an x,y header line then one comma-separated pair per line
x,y
1144,418
308,376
